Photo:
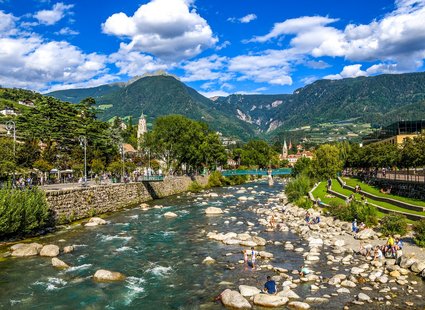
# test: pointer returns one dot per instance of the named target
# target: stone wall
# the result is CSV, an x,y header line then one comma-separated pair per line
x,y
401,188
79,203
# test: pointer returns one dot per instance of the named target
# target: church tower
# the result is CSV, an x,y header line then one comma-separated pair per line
x,y
284,150
142,128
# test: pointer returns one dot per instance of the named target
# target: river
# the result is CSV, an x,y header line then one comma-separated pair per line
x,y
162,258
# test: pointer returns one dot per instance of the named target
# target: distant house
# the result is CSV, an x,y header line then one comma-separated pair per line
x,y
27,103
293,158
231,162
129,149
8,112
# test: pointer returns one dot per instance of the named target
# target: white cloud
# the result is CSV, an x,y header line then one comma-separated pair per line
x,y
134,63
244,20
67,31
348,72
271,66
205,69
309,79
7,24
51,17
215,93
168,29
222,45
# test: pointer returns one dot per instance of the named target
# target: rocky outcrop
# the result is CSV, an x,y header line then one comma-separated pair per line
x,y
50,250
266,300
234,300
103,275
26,249
56,262
213,211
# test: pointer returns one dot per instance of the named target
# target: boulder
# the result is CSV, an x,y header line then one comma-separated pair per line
x,y
213,210
343,290
50,250
299,305
348,283
418,267
363,297
356,270
265,255
288,293
366,234
208,260
56,262
258,240
26,249
234,300
243,198
170,215
266,300
68,249
316,300
407,261
339,243
248,291
103,275
94,221
395,274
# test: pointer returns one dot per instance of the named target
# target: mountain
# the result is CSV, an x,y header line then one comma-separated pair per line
x,y
155,96
377,100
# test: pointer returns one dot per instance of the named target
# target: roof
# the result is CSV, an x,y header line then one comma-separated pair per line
x,y
128,148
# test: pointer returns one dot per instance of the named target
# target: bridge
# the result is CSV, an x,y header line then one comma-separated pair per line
x,y
280,171
151,178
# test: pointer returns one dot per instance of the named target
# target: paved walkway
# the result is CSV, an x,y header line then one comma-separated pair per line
x,y
401,176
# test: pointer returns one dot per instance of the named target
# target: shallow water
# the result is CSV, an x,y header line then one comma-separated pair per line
x,y
161,257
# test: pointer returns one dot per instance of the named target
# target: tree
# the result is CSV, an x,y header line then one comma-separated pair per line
x,y
97,166
327,162
302,166
257,153
7,162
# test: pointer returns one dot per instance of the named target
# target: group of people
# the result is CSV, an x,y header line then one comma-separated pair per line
x,y
23,183
357,228
392,248
309,219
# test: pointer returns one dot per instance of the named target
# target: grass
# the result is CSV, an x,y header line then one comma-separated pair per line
x,y
338,188
375,191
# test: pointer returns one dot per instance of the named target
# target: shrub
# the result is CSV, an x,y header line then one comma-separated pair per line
x,y
419,229
195,187
22,211
298,187
215,179
304,202
394,224
365,213
236,179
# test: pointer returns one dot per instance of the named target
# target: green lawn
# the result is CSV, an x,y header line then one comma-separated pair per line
x,y
375,191
338,188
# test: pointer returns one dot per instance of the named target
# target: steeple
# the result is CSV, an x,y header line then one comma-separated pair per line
x,y
142,128
284,150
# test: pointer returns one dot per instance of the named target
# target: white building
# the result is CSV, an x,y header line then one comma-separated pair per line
x,y
8,112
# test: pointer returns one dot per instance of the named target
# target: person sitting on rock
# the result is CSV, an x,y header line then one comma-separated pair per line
x,y
365,250
377,255
307,217
354,227
390,246
304,271
270,286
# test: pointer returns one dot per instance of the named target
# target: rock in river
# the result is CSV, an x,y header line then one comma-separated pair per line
x,y
234,300
208,260
248,291
68,249
56,262
94,221
213,210
50,250
170,214
266,300
299,305
24,250
107,276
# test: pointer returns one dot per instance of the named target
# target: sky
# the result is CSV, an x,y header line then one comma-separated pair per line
x,y
218,47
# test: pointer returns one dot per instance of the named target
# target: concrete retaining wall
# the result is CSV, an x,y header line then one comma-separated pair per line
x,y
79,203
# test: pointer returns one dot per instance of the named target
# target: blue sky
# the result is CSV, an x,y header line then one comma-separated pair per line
x,y
218,47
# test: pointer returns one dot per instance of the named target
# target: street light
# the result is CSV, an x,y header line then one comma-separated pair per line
x,y
11,125
83,143
122,158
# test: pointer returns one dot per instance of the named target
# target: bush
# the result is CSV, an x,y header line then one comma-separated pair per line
x,y
215,179
236,179
394,224
22,211
365,213
195,187
304,202
419,229
298,187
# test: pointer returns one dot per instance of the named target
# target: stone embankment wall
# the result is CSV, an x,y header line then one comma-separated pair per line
x,y
79,203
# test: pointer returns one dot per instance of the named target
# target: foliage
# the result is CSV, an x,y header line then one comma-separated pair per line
x,y
365,213
327,162
97,166
7,163
304,202
179,141
236,179
115,167
394,224
419,229
302,166
216,179
257,153
42,165
195,187
298,187
22,211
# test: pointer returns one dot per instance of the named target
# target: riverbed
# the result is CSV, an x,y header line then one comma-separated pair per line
x,y
161,257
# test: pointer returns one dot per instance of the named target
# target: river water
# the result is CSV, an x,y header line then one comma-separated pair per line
x,y
161,257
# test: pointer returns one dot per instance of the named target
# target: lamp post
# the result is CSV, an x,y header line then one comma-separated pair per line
x,y
11,125
123,163
83,143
